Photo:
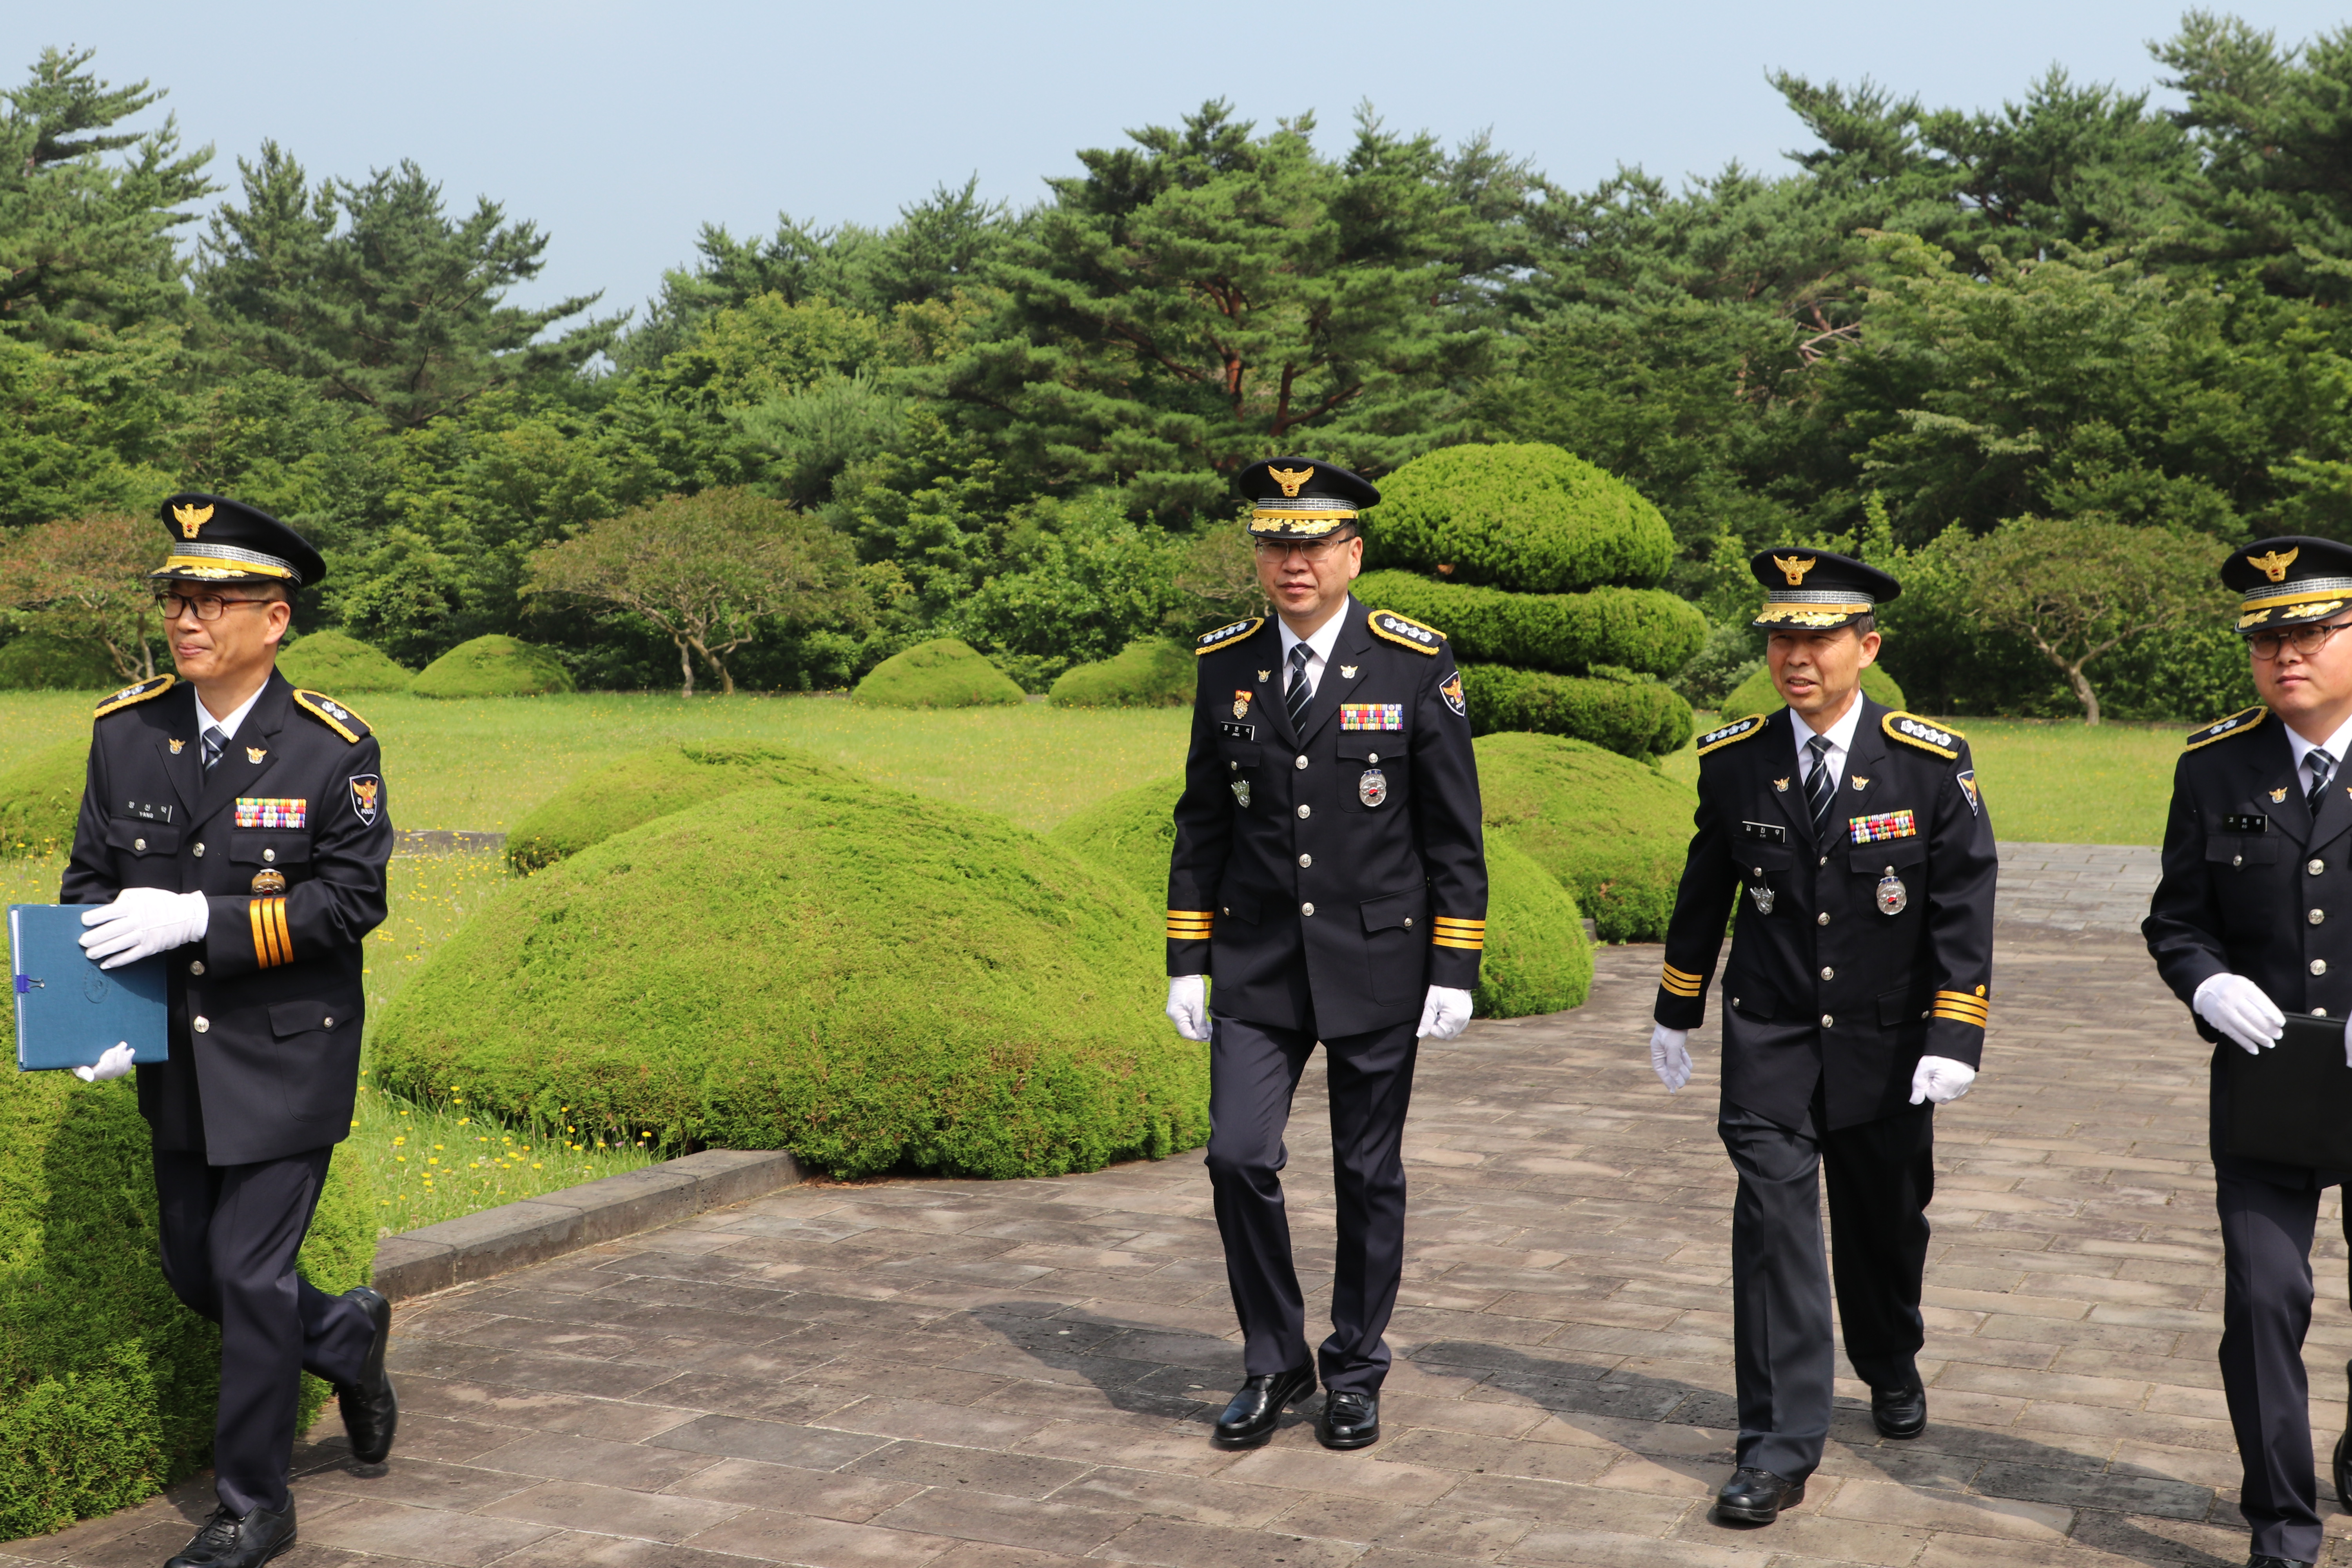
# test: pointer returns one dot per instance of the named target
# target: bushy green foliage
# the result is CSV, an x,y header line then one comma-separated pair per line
x,y
1756,694
340,666
1643,629
1631,717
870,979
1522,515
36,663
654,783
107,1382
1613,832
1150,672
493,666
942,673
40,796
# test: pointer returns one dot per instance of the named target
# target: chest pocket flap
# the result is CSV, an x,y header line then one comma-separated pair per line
x,y
2237,849
142,838
304,1018
1407,910
267,847
1895,852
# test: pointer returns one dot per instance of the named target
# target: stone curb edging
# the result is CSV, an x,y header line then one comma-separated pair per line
x,y
514,1236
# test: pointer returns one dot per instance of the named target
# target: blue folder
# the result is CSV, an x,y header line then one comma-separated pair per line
x,y
68,1010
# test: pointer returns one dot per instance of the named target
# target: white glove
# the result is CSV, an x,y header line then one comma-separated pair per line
x,y
2237,1007
1443,1014
1940,1079
113,1064
1188,1005
1670,1057
142,922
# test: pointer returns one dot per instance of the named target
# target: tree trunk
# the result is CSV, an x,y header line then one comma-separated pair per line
x,y
686,664
2082,692
726,682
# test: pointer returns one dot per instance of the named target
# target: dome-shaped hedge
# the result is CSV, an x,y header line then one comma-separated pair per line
x,y
107,1384
40,796
1150,672
945,672
1757,694
1525,516
493,667
1643,629
340,666
865,978
1537,958
37,663
1612,831
646,785
1632,718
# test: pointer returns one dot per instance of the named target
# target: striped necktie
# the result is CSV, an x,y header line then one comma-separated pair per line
x,y
1820,789
1300,694
215,743
2322,768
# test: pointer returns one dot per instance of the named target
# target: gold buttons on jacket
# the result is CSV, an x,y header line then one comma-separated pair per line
x,y
2316,867
1305,810
196,966
1306,909
138,844
1304,861
201,1025
2319,966
1302,761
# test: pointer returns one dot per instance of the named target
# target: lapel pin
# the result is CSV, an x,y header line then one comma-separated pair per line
x,y
1859,784
1780,785
1262,675
2278,795
255,754
178,746
1347,673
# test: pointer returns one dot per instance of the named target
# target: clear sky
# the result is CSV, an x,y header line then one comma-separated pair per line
x,y
621,126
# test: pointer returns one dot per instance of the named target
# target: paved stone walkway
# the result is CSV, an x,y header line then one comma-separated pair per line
x,y
2077,887
961,1374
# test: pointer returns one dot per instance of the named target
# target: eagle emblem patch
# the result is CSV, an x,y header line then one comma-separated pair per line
x,y
367,798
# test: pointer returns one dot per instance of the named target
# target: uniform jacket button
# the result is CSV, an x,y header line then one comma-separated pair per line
x,y
2237,860
1822,919
1305,810
1306,860
1828,1022
1301,762
200,851
2316,866
1408,922
201,1025
1306,909
2319,966
1828,974
2316,916
138,844
2319,1012
196,966
1825,859
269,855
330,1022
1371,757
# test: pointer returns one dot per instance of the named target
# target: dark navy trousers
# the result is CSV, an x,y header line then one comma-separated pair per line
x,y
1253,1075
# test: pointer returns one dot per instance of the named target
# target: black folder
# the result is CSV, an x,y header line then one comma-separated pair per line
x,y
2293,1103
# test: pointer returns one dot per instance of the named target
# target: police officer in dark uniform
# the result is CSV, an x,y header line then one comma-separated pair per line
x,y
1330,875
240,827
1854,842
2253,920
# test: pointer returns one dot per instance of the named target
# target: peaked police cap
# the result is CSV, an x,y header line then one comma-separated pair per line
x,y
1814,590
216,540
2287,581
1302,498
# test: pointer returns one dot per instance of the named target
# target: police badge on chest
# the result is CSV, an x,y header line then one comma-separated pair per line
x,y
1373,788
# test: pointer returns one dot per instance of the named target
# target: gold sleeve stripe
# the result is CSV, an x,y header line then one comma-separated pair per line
x,y
1190,925
1680,981
1469,941
1961,1007
1464,928
284,937
272,944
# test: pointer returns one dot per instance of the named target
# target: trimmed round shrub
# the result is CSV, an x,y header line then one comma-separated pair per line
x,y
1757,694
646,785
1632,718
1150,672
493,666
1647,630
1526,516
945,672
1613,832
40,798
335,664
37,663
107,1382
1537,958
872,980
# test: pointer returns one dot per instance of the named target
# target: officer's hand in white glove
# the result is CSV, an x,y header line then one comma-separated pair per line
x,y
142,922
1443,1014
2236,1007
113,1064
1670,1057
1188,1005
1940,1079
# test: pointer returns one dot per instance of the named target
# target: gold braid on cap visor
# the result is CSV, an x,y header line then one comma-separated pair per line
x,y
226,561
2305,601
1812,607
1309,517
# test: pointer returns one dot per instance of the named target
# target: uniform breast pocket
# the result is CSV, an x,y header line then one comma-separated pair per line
x,y
1240,767
1396,943
2237,851
1877,859
264,846
134,837
318,1049
1373,771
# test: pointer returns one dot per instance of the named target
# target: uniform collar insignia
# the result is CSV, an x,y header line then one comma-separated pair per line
x,y
2278,795
1780,785
178,746
255,754
1859,784
1262,676
1347,673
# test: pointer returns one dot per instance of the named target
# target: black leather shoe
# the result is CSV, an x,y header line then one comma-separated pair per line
x,y
1757,1497
1900,1412
371,1411
1349,1421
228,1541
2259,1559
1249,1420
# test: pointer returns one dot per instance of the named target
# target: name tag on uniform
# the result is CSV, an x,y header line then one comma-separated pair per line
x,y
1769,832
1882,824
146,812
2245,825
1234,731
1371,715
269,811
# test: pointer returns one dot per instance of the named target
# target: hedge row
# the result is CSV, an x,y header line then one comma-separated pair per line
x,y
1613,832
1525,516
340,666
1757,694
646,785
1150,672
492,667
1632,718
1644,629
945,672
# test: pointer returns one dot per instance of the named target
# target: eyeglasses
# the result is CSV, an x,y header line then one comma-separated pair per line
x,y
204,606
2306,640
1314,551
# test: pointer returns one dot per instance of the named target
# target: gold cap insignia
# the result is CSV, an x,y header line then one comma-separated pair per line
x,y
1290,479
2272,564
1795,567
191,518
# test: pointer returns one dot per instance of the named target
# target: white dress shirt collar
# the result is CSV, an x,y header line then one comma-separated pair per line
x,y
1318,647
228,725
1839,737
2334,744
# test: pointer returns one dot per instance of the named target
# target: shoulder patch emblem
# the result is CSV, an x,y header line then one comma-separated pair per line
x,y
1914,731
130,696
333,714
2243,723
1223,634
1738,729
1405,633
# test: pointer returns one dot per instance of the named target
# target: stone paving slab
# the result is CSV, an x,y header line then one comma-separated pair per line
x,y
964,1374
2078,886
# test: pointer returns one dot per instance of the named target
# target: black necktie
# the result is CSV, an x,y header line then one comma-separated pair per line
x,y
1820,789
2322,767
214,743
1300,694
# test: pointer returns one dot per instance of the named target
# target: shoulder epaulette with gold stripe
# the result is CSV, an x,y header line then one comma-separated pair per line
x,y
1190,925
1469,935
1681,981
333,714
1224,634
2243,723
1961,1007
1405,632
1738,729
130,696
1914,731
